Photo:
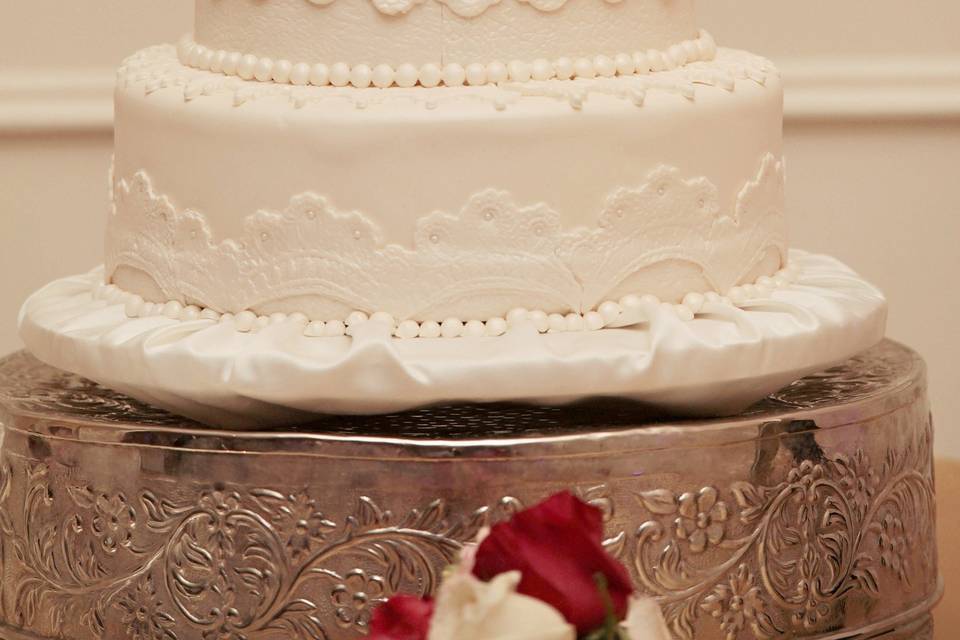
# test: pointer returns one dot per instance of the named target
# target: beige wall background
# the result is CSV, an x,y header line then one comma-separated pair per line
x,y
873,145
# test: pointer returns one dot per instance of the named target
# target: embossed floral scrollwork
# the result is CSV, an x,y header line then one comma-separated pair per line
x,y
790,553
701,519
700,516
857,478
355,597
6,525
227,562
298,519
113,522
894,540
738,604
144,616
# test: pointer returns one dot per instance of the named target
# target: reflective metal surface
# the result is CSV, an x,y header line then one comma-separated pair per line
x,y
811,515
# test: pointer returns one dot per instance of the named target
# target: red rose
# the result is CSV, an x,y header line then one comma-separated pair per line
x,y
402,618
558,548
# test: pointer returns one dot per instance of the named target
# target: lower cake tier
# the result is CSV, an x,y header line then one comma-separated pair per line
x,y
811,515
448,202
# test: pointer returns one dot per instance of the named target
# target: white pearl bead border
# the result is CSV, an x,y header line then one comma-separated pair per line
x,y
361,76
610,314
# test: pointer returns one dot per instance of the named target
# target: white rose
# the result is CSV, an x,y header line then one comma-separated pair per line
x,y
468,609
645,621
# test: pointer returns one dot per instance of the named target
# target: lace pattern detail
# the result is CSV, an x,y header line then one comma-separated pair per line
x,y
491,256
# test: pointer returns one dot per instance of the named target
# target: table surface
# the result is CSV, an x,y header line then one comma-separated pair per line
x,y
947,613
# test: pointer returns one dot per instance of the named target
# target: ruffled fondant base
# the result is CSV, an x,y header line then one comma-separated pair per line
x,y
719,363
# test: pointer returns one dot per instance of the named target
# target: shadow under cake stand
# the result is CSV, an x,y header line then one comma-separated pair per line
x,y
810,515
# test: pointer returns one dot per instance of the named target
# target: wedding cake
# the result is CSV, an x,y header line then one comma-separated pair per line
x,y
377,189
444,163
446,258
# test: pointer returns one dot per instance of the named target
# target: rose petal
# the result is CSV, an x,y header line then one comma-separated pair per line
x,y
468,609
558,548
402,618
645,621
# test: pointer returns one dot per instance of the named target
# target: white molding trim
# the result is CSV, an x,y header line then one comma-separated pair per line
x,y
871,89
817,90
56,101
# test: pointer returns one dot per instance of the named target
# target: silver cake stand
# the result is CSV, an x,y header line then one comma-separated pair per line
x,y
811,515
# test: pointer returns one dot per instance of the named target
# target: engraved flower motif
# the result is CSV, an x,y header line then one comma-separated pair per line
x,y
814,609
222,632
302,524
895,542
807,475
143,614
220,505
220,502
355,597
737,604
859,481
113,521
701,519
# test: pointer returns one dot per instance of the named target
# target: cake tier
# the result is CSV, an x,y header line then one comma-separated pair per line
x,y
402,40
459,202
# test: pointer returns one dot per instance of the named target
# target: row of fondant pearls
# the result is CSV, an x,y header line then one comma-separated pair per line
x,y
575,93
361,76
608,314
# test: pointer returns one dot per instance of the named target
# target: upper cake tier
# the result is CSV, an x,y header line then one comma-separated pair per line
x,y
562,196
402,42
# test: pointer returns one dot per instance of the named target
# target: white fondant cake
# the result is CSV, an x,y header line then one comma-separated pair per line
x,y
655,172
315,190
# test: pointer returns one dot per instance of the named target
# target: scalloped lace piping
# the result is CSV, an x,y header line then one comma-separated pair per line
x,y
493,251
